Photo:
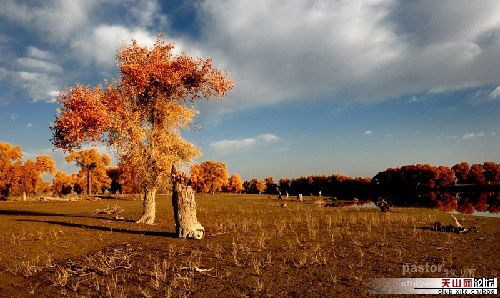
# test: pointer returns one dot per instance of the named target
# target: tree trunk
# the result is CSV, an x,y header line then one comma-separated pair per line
x,y
88,182
24,196
186,224
149,207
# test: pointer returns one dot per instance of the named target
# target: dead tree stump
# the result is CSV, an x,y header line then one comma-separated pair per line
x,y
184,205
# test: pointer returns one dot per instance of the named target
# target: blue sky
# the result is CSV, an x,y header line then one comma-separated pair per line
x,y
321,87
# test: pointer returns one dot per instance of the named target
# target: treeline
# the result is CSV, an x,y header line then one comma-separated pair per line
x,y
311,185
25,178
96,176
212,176
410,178
22,178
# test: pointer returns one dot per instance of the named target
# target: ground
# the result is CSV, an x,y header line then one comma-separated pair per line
x,y
254,247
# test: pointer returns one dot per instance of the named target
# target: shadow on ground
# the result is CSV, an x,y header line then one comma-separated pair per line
x,y
38,213
102,228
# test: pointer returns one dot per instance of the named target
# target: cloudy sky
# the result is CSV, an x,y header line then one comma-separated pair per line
x,y
321,87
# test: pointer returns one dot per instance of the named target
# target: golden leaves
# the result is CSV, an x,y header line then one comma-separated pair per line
x,y
17,177
209,176
89,159
141,114
84,117
45,164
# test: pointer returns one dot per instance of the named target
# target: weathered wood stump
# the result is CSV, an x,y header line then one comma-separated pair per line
x,y
184,205
186,224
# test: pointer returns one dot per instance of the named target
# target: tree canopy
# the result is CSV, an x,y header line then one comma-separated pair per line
x,y
209,176
140,114
92,165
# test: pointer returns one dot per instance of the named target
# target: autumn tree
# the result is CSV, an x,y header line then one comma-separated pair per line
x,y
28,178
271,186
78,185
209,176
141,113
114,173
9,155
235,184
476,174
462,172
92,168
491,172
127,178
62,184
261,185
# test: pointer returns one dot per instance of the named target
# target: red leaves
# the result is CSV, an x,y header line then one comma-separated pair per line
x,y
84,117
156,72
152,82
142,112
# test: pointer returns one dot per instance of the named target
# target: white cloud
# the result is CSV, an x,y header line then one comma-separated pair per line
x,y
473,135
40,86
279,51
29,125
350,50
38,65
231,146
368,132
53,95
37,53
101,45
38,74
57,19
83,34
495,93
147,13
268,138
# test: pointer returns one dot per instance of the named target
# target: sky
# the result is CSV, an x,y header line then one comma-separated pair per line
x,y
321,87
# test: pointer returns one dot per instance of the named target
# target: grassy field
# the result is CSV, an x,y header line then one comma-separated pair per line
x,y
254,247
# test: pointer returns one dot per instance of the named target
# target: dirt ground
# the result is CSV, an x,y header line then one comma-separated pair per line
x,y
254,247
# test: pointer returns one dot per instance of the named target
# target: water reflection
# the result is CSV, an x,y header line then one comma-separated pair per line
x,y
475,203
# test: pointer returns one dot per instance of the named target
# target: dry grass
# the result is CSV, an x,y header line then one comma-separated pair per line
x,y
254,248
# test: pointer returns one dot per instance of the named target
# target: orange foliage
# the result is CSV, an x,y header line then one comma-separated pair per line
x,y
235,184
9,155
142,112
261,185
27,177
62,184
209,176
92,165
461,172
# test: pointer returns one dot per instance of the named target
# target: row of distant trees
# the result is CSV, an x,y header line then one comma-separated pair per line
x,y
22,178
18,177
96,176
210,177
